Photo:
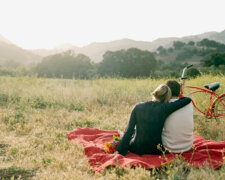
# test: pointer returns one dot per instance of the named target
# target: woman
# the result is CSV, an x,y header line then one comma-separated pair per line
x,y
144,129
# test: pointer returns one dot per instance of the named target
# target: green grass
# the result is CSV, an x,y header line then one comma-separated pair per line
x,y
36,114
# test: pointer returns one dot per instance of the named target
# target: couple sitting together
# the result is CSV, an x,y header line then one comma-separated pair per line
x,y
166,120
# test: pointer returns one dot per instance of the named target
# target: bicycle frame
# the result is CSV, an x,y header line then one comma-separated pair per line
x,y
209,111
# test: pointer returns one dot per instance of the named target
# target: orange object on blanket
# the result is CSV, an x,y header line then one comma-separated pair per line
x,y
93,140
111,147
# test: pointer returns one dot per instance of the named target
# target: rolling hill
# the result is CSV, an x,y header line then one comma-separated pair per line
x,y
96,50
9,51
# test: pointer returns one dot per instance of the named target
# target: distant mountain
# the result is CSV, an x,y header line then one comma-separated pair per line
x,y
11,52
96,50
3,39
58,49
220,37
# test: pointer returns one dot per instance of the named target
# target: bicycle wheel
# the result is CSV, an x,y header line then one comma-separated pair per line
x,y
201,101
218,109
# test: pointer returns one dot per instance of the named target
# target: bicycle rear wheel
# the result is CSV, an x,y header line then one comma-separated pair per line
x,y
218,109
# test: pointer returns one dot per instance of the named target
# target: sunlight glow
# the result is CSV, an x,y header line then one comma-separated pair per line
x,y
47,23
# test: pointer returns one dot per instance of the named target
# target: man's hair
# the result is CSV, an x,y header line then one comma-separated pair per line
x,y
174,86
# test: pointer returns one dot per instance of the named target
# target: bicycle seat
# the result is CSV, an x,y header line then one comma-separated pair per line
x,y
213,86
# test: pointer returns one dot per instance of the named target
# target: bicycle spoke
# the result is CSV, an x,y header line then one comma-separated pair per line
x,y
202,102
219,109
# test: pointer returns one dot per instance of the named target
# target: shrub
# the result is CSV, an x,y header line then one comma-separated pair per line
x,y
193,72
38,103
3,99
76,107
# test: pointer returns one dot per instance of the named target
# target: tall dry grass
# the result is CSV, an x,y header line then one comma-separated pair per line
x,y
36,114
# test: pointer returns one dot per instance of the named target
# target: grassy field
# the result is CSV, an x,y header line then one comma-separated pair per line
x,y
36,114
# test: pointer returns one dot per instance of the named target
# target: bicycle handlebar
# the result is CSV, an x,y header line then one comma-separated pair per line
x,y
189,66
182,76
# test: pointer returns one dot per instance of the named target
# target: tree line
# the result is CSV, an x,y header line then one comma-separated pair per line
x,y
185,51
130,63
124,63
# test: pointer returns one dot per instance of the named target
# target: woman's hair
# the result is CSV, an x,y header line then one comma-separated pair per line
x,y
162,93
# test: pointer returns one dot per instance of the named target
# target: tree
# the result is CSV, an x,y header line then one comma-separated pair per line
x,y
170,50
66,65
127,63
193,72
178,44
162,51
214,59
191,43
212,44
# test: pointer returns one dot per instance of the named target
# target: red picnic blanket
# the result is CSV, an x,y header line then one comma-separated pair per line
x,y
204,152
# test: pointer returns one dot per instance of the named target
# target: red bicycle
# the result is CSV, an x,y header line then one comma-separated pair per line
x,y
206,101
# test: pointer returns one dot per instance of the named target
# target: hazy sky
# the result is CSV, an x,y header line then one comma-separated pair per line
x,y
48,23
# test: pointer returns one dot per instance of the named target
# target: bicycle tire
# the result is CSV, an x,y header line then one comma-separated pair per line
x,y
218,109
201,102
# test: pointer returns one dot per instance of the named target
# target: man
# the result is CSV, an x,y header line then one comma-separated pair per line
x,y
177,135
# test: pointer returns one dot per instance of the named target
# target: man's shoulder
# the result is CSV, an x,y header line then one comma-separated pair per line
x,y
175,99
184,112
